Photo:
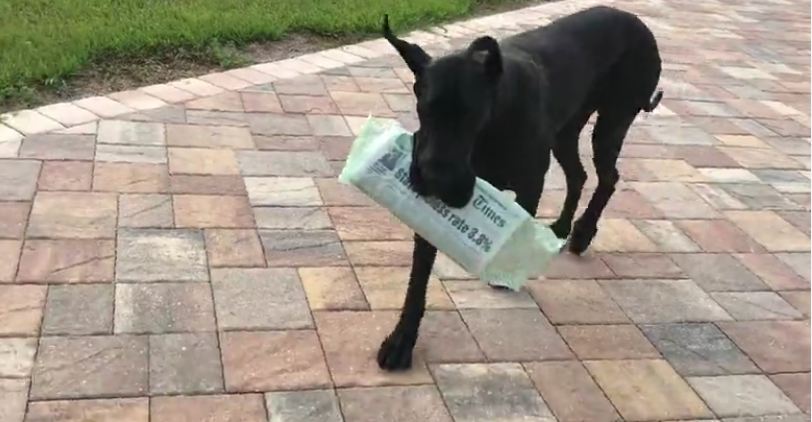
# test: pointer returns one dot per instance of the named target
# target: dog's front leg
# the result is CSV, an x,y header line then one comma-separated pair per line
x,y
396,351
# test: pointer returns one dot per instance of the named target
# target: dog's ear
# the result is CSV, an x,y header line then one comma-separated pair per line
x,y
414,56
485,52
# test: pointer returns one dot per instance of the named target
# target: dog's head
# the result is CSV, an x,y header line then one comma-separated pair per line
x,y
455,94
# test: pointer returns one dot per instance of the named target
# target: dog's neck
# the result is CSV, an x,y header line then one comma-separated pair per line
x,y
520,96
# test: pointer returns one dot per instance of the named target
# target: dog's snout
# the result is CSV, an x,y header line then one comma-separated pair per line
x,y
416,180
438,173
441,171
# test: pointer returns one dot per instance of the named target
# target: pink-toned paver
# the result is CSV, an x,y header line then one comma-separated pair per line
x,y
193,257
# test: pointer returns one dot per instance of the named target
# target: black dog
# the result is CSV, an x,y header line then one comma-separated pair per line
x,y
496,111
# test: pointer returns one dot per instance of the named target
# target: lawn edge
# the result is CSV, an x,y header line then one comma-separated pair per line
x,y
15,125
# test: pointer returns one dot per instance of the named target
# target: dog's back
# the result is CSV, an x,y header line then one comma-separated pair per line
x,y
579,51
599,34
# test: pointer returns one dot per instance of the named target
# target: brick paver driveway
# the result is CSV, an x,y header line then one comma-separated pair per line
x,y
191,256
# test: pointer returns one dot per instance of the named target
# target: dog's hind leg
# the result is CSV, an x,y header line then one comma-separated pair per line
x,y
565,152
395,352
607,139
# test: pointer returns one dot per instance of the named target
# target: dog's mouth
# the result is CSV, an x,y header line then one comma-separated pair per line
x,y
457,199
456,194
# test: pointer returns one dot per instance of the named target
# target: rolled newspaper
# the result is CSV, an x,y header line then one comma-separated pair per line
x,y
492,236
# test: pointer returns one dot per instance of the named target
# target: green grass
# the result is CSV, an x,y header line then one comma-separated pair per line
x,y
44,42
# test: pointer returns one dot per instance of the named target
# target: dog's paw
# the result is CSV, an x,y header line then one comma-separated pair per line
x,y
581,237
395,353
561,229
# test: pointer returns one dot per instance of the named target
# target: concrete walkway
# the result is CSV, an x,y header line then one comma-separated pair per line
x,y
183,252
